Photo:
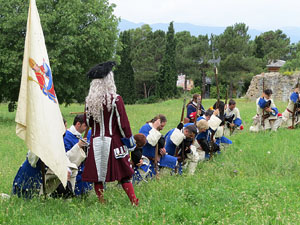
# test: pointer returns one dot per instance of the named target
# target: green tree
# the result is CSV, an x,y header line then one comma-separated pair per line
x,y
13,17
167,76
236,55
78,35
184,61
292,64
192,56
124,75
147,52
272,45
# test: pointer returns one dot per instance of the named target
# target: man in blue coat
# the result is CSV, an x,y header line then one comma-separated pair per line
x,y
71,140
180,140
153,136
27,182
191,108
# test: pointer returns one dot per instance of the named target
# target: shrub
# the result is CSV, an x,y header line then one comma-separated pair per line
x,y
196,90
149,100
214,94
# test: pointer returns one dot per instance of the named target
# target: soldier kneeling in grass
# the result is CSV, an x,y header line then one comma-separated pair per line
x,y
267,117
291,115
233,121
179,144
155,144
140,163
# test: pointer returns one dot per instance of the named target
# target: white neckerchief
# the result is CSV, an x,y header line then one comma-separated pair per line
x,y
73,130
194,103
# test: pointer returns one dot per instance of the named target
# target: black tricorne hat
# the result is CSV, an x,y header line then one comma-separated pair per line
x,y
101,70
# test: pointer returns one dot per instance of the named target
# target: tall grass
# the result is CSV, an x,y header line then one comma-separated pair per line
x,y
254,181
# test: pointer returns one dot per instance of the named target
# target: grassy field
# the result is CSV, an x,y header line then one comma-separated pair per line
x,y
255,181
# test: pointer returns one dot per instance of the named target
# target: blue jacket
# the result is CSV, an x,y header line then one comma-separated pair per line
x,y
294,97
192,108
28,180
148,150
81,187
170,146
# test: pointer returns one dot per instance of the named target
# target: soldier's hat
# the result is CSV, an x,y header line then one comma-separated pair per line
x,y
101,70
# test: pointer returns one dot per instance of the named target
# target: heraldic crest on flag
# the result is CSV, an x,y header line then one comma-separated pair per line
x,y
39,119
44,78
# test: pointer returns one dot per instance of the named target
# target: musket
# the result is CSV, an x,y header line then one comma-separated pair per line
x,y
216,72
295,108
77,113
226,99
85,132
263,112
182,111
211,146
217,83
201,104
181,121
155,160
83,139
197,109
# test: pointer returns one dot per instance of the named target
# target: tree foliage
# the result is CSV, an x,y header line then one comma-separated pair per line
x,y
147,52
124,75
235,51
78,35
167,76
82,33
272,45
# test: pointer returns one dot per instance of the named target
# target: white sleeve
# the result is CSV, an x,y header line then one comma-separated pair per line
x,y
76,155
273,104
177,137
214,122
238,114
153,137
258,109
219,132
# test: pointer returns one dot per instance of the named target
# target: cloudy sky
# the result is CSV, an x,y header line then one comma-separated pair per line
x,y
260,14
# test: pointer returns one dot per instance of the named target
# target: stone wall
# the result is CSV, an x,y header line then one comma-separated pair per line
x,y
281,85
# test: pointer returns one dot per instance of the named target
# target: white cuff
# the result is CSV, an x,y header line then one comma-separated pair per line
x,y
219,132
214,122
177,137
153,137
76,155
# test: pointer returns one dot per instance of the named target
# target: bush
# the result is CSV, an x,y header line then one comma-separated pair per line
x,y
288,73
214,94
196,90
179,92
150,100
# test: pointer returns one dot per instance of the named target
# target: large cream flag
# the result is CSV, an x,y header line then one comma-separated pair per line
x,y
39,120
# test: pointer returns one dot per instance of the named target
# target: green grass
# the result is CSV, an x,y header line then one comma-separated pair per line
x,y
255,181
